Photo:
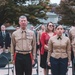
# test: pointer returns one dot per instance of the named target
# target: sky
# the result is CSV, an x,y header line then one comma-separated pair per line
x,y
55,1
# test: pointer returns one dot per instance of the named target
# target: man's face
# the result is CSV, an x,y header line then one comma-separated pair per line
x,y
42,27
3,28
23,23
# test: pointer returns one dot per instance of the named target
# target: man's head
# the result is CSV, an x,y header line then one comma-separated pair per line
x,y
17,28
23,22
32,27
3,28
43,27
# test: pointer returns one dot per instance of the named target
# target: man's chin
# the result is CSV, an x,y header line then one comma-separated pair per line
x,y
23,27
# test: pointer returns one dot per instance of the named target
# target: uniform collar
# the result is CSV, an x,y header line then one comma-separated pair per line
x,y
59,37
23,30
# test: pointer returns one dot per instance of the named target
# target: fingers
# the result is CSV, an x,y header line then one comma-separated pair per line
x,y
68,63
33,62
49,64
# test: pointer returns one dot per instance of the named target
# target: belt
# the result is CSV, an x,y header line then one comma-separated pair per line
x,y
23,52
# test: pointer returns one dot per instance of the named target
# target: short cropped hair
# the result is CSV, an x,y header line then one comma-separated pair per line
x,y
21,17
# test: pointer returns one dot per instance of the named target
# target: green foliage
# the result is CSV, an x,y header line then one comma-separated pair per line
x,y
10,11
67,12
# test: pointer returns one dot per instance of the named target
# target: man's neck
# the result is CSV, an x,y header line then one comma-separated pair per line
x,y
23,28
3,31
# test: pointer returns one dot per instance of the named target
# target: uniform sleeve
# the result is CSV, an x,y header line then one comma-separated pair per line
x,y
70,36
13,44
69,49
34,46
50,48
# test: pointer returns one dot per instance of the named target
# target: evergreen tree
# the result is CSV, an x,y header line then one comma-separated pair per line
x,y
67,12
10,10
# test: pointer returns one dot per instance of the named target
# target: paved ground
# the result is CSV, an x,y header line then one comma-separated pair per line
x,y
34,72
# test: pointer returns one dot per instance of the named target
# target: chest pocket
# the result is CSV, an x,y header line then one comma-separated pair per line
x,y
19,38
29,37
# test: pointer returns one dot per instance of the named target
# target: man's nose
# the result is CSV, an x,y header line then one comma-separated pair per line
x,y
59,30
23,21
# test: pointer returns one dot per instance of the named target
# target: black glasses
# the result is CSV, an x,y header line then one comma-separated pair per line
x,y
51,25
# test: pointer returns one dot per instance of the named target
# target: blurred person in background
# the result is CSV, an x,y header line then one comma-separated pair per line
x,y
39,36
17,28
44,46
32,28
5,39
72,39
65,32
